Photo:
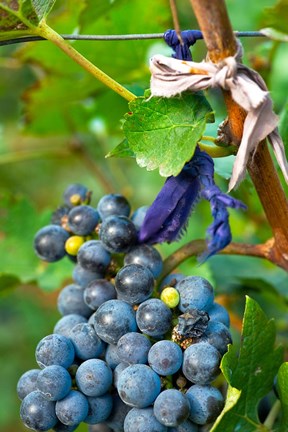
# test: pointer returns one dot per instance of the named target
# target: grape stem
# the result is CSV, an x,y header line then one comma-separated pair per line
x,y
48,33
197,247
217,152
273,414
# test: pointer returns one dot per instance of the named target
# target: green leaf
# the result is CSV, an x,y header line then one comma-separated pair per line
x,y
282,380
122,150
251,372
20,17
283,124
163,132
275,34
276,16
43,7
93,10
7,283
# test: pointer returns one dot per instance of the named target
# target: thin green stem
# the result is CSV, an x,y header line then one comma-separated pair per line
x,y
209,138
273,414
217,152
48,33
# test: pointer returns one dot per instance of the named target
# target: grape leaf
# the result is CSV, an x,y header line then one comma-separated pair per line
x,y
163,132
276,16
122,150
93,10
282,380
20,17
7,282
252,371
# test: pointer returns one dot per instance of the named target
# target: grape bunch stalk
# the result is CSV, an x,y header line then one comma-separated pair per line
x,y
127,354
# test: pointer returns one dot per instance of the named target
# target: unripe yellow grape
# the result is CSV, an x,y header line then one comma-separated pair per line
x,y
73,244
170,296
75,199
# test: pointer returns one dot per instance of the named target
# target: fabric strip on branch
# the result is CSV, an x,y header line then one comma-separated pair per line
x,y
170,77
167,217
181,50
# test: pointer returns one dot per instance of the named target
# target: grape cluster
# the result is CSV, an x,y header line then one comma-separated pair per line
x,y
126,355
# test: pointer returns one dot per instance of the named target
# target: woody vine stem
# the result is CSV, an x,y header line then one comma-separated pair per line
x,y
220,41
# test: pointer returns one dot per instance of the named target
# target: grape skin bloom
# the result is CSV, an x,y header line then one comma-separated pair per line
x,y
138,385
165,357
201,363
171,407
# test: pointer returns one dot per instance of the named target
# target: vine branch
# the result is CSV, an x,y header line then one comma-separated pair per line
x,y
214,22
197,247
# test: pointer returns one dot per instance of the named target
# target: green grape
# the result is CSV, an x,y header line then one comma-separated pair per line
x,y
170,296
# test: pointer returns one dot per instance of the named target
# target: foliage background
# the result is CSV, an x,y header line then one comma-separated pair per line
x,y
56,126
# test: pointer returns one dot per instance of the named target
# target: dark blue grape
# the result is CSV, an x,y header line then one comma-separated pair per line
x,y
138,216
171,280
111,356
100,408
83,276
134,283
142,420
94,377
113,319
217,312
117,372
82,220
119,411
195,293
171,407
138,385
206,403
93,256
55,349
218,335
49,243
76,194
98,292
38,413
186,426
113,204
153,317
201,363
73,409
27,383
146,256
165,357
65,324
87,343
59,215
133,348
118,234
54,382
60,427
71,301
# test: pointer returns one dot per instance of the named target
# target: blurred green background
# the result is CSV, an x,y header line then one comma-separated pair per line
x,y
57,123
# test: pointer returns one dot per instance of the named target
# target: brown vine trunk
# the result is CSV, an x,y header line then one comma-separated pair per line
x,y
214,22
